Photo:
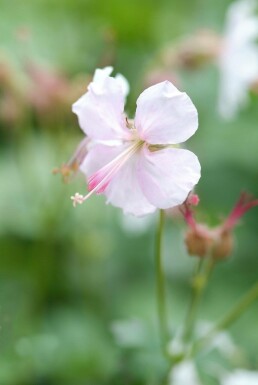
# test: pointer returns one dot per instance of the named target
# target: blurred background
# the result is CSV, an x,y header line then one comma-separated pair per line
x,y
77,293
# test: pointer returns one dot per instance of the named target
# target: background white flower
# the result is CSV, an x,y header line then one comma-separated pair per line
x,y
240,377
238,59
129,333
184,373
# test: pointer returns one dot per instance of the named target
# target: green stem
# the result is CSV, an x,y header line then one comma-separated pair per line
x,y
160,284
231,316
198,285
199,266
239,308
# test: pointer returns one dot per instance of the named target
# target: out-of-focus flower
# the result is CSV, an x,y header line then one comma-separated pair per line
x,y
158,75
51,93
135,164
201,240
240,377
221,341
11,111
193,51
5,73
184,373
129,333
12,96
238,58
49,89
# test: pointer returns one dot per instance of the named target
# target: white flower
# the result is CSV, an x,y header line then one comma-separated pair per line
x,y
184,373
240,377
222,341
129,333
238,59
135,163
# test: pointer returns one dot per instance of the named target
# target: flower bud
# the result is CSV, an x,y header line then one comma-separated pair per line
x,y
216,242
199,240
223,245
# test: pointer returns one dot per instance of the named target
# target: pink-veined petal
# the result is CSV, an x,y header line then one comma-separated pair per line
x,y
99,181
101,110
123,190
164,115
167,176
99,155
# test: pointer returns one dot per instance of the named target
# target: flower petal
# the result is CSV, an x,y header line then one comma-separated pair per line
x,y
99,155
101,110
123,190
165,115
240,377
101,74
184,373
123,83
167,176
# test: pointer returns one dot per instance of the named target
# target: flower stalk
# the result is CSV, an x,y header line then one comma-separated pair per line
x,y
199,283
160,284
233,315
239,308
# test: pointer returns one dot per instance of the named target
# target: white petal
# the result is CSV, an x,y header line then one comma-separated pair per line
x,y
98,156
184,373
129,333
165,115
101,110
240,12
241,377
124,84
124,190
167,176
238,60
101,74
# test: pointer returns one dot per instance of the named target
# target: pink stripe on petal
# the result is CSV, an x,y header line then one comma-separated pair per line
x,y
95,182
99,181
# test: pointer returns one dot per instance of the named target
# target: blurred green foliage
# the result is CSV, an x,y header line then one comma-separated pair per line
x,y
66,275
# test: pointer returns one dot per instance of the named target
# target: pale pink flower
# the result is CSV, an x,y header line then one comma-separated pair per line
x,y
136,165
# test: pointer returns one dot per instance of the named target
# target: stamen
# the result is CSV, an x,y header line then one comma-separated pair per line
x,y
77,198
98,182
